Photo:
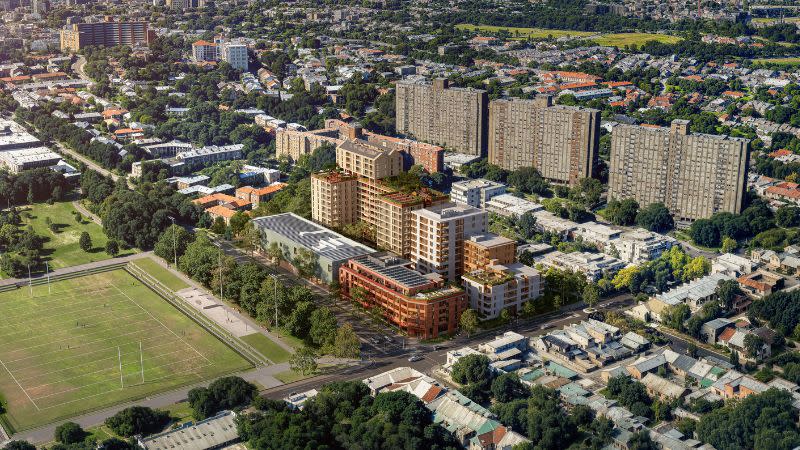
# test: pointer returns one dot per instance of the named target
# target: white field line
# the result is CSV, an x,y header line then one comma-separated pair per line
x,y
106,381
80,293
94,305
20,386
162,324
114,357
115,367
81,345
95,325
114,390
81,355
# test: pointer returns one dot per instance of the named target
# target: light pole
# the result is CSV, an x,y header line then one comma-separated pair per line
x,y
47,269
275,298
174,241
30,280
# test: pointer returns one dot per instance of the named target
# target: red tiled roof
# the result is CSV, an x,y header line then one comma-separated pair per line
x,y
726,335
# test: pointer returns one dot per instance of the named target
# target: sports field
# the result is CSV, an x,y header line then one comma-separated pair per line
x,y
533,33
623,39
95,341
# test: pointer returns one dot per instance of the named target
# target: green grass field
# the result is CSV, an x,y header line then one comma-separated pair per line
x,y
161,274
792,61
62,249
533,33
623,39
77,348
266,347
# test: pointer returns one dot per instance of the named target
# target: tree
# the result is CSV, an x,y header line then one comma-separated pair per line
x,y
323,327
251,237
112,247
788,216
305,262
469,321
115,444
223,393
729,245
727,291
19,445
174,240
641,441
347,344
85,242
591,294
704,232
472,369
69,433
137,420
507,387
238,222
622,212
218,227
655,217
753,345
303,361
274,252
696,268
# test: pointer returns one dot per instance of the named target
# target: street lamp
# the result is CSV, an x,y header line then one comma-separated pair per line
x,y
174,241
275,298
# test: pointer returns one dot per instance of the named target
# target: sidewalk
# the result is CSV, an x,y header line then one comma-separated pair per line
x,y
81,209
78,268
235,313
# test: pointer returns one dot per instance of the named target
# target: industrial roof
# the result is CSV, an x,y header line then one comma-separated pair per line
x,y
320,240
209,433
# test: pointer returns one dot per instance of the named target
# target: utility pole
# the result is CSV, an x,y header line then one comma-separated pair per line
x,y
220,271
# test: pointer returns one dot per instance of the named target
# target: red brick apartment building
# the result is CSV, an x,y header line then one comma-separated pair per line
x,y
421,305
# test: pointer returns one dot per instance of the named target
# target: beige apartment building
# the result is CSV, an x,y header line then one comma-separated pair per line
x,y
295,144
559,141
694,175
109,33
357,192
334,198
438,237
482,250
454,118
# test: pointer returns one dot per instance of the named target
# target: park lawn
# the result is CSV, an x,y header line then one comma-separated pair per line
x,y
94,341
533,33
62,248
791,61
180,412
267,347
162,274
623,39
290,376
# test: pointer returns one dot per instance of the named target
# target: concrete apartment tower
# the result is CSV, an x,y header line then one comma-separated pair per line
x,y
454,118
695,175
559,141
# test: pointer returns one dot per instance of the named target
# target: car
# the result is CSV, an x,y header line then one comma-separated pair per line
x,y
415,358
437,347
388,339
546,326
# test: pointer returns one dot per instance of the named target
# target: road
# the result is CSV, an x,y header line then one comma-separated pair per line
x,y
78,268
77,67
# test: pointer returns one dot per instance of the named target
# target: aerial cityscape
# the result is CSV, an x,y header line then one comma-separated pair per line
x,y
399,224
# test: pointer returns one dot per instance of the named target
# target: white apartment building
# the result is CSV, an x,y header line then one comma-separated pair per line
x,y
639,246
475,192
235,54
508,205
593,265
499,287
550,223
731,265
438,234
596,234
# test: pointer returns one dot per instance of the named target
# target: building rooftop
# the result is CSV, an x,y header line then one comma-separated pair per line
x,y
210,433
394,268
447,211
694,290
320,240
